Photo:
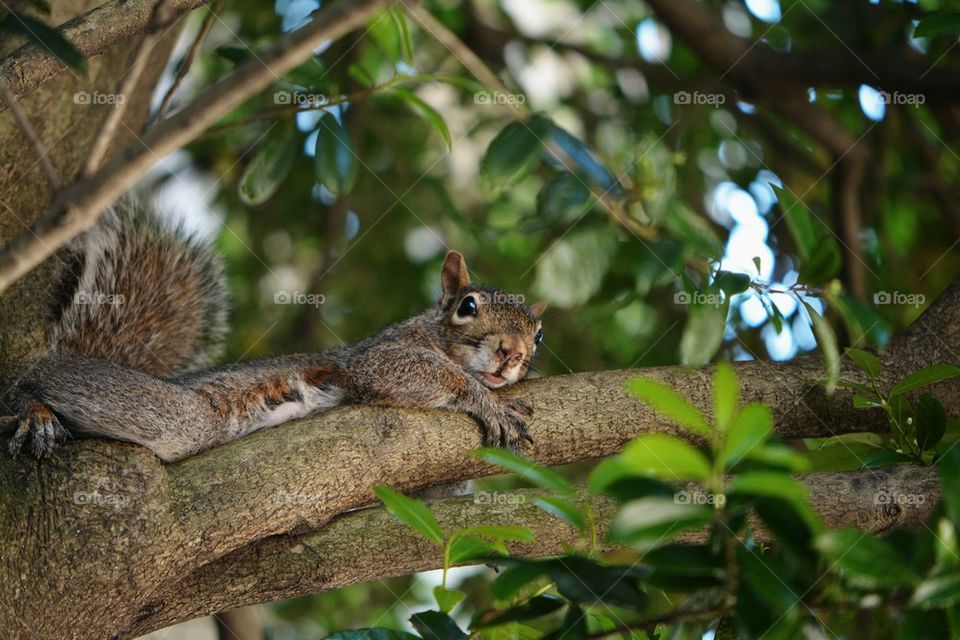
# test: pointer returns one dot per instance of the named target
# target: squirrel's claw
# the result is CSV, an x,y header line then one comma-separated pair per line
x,y
42,427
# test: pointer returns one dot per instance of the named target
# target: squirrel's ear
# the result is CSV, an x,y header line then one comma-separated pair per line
x,y
453,277
538,308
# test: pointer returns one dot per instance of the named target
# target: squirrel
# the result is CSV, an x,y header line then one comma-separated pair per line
x,y
140,315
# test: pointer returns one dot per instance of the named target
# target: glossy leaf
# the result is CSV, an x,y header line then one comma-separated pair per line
x,y
527,470
925,377
46,37
513,153
427,112
447,599
411,512
656,520
931,422
665,457
565,198
563,509
515,578
827,340
669,403
433,625
751,428
866,362
335,163
266,172
867,561
534,608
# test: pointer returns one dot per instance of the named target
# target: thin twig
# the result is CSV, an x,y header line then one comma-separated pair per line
x,y
471,61
128,83
82,201
32,139
189,57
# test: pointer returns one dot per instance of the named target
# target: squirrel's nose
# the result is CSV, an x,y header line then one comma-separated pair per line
x,y
510,351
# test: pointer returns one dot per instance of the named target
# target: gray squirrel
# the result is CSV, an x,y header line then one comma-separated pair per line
x,y
142,314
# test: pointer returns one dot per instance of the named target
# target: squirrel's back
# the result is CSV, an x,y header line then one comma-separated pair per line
x,y
142,292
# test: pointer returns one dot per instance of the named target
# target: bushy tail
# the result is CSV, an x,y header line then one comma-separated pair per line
x,y
141,292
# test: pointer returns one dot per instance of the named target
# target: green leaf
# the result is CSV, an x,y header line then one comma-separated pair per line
x,y
750,429
585,581
464,548
46,37
938,591
266,172
925,377
377,633
513,153
867,362
693,230
931,422
565,198
899,415
573,627
497,532
665,457
732,283
579,154
531,471
427,112
667,402
656,520
515,578
726,395
827,340
399,18
433,625
820,257
839,457
385,32
535,607
703,332
949,464
563,509
863,402
236,55
335,163
939,24
573,269
447,599
867,561
885,458
767,579
770,484
411,512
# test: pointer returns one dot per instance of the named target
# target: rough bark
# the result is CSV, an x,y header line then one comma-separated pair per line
x,y
106,517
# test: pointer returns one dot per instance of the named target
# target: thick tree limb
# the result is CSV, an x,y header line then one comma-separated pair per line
x,y
108,517
31,65
369,544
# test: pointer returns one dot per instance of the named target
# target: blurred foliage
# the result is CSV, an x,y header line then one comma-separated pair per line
x,y
665,218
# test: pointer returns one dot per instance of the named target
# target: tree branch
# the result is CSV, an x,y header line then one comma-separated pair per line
x,y
93,33
369,544
81,202
8,99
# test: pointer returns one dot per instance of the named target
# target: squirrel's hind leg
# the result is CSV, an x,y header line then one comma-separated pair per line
x,y
38,423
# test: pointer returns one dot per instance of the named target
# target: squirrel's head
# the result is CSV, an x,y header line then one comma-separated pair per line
x,y
492,334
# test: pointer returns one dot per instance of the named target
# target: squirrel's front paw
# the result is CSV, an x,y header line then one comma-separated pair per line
x,y
43,428
508,428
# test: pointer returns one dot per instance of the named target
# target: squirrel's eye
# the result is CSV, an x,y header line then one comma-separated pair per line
x,y
537,339
468,307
